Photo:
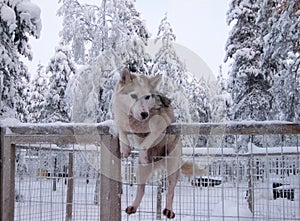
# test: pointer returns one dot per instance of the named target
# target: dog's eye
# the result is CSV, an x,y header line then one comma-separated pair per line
x,y
133,96
147,97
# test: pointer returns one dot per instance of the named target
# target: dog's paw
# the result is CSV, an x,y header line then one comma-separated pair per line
x,y
125,154
125,150
169,213
130,210
143,158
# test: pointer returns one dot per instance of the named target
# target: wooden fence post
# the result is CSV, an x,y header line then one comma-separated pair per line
x,y
158,201
110,179
69,207
250,185
7,175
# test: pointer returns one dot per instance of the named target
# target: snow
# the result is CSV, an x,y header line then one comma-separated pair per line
x,y
8,122
8,15
29,10
113,130
284,187
223,202
231,211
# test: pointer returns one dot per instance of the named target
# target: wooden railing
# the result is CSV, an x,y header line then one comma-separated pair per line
x,y
110,167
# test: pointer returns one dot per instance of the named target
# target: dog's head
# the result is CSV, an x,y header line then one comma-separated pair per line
x,y
138,92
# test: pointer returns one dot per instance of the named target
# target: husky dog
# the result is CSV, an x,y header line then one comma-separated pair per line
x,y
142,113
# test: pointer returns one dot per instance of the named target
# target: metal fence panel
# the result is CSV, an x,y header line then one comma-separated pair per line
x,y
47,175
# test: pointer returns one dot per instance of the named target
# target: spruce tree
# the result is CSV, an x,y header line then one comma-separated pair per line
x,y
38,90
60,69
190,96
168,64
280,22
18,21
248,85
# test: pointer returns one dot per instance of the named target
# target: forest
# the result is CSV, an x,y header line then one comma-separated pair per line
x,y
262,52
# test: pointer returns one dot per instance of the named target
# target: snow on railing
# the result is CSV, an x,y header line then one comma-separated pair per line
x,y
67,137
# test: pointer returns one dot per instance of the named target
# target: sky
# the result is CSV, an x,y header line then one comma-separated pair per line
x,y
199,25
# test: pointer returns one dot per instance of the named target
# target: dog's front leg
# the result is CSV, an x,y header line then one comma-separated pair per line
x,y
168,211
143,173
157,126
124,144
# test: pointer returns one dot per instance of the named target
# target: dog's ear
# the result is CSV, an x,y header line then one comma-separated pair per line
x,y
154,81
126,76
164,100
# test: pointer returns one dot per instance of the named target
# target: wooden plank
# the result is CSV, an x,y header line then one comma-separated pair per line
x,y
55,139
60,129
110,180
236,128
78,131
7,186
69,206
2,133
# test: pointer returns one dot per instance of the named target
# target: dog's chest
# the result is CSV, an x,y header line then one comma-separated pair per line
x,y
139,127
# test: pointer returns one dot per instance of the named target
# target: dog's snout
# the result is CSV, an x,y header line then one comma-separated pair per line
x,y
144,115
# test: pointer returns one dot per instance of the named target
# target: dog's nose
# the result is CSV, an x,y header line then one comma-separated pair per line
x,y
144,115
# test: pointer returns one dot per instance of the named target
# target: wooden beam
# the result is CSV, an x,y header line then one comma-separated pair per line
x,y
110,179
69,206
235,128
72,129
238,128
7,181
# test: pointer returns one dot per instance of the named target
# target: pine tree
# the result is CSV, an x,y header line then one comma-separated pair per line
x,y
221,101
281,55
22,95
190,96
38,90
18,20
248,85
168,64
60,68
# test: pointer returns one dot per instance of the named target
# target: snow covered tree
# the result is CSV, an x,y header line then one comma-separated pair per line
x,y
280,21
93,30
38,90
18,20
168,64
117,37
220,106
22,95
79,27
190,96
248,85
60,68
167,37
221,101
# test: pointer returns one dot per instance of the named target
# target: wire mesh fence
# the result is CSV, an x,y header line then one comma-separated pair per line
x,y
43,180
262,183
258,180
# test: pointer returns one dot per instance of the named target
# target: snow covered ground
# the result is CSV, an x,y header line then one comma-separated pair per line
x,y
36,201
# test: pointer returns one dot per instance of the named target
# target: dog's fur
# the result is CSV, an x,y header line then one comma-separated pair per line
x,y
140,111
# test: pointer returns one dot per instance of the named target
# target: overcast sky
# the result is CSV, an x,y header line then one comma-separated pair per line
x,y
198,24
